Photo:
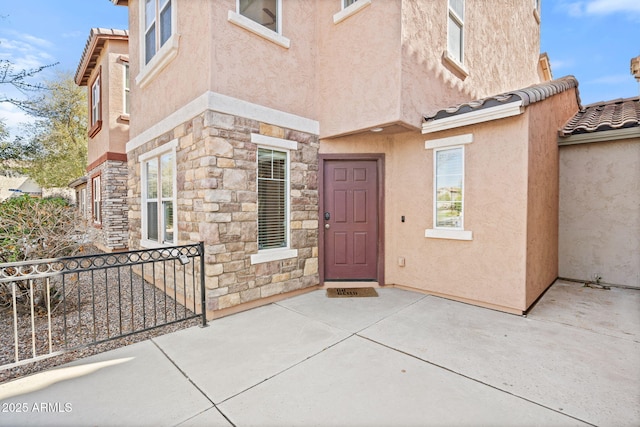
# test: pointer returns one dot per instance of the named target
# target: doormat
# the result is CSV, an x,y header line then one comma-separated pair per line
x,y
351,292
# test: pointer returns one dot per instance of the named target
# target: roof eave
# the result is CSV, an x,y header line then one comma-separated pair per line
x,y
479,116
599,136
93,48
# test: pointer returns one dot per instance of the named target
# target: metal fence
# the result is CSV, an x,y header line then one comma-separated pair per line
x,y
51,306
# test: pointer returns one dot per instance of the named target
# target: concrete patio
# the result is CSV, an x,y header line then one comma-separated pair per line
x,y
402,359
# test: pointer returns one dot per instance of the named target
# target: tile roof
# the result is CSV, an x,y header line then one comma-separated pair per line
x,y
92,49
603,116
528,95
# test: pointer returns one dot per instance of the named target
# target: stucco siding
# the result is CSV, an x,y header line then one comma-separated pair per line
x,y
599,214
359,67
184,77
545,118
501,52
491,268
114,133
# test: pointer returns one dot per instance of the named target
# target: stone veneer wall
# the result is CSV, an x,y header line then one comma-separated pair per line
x,y
217,204
114,232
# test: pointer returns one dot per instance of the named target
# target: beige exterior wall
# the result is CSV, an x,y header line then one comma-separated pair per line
x,y
501,53
545,118
599,215
382,65
114,134
491,268
181,79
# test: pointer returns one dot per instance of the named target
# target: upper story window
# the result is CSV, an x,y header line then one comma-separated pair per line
x,y
127,89
158,26
261,17
350,8
264,12
160,43
455,34
95,101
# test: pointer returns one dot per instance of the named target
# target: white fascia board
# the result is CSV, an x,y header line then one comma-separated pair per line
x,y
473,117
601,136
226,105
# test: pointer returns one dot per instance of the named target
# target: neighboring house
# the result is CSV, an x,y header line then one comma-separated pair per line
x,y
600,194
79,186
104,70
15,185
288,136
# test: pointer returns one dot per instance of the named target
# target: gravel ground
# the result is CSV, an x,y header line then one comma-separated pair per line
x,y
95,308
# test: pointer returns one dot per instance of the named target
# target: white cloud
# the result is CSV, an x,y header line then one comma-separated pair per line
x,y
13,117
612,79
578,9
559,64
24,52
605,7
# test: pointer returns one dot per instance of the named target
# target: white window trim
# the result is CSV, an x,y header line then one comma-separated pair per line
x,y
260,30
156,152
96,198
287,145
350,10
96,100
125,66
458,63
453,62
458,141
164,55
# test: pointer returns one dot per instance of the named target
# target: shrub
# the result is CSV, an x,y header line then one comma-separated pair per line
x,y
32,228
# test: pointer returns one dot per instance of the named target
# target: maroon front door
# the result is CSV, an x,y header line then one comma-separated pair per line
x,y
350,219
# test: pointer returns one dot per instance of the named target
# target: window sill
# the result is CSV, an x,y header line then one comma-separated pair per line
x,y
257,29
350,10
438,233
457,66
95,128
273,255
124,117
161,59
152,244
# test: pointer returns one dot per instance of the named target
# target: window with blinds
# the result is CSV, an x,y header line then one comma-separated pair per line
x,y
272,199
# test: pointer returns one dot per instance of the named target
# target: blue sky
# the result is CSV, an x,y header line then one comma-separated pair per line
x,y
594,40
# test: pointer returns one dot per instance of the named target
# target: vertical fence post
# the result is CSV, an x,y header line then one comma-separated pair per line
x,y
203,298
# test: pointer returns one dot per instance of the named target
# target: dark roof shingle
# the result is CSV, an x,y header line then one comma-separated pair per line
x,y
528,95
603,116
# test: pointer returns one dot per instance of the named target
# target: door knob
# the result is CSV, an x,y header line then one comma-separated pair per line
x,y
327,226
